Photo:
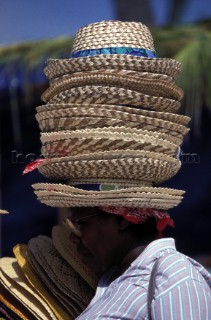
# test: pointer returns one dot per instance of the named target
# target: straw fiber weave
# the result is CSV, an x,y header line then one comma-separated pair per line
x,y
113,95
21,254
153,87
138,165
113,111
113,34
68,196
64,143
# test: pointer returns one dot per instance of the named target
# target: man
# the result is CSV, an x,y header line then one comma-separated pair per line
x,y
118,139
123,255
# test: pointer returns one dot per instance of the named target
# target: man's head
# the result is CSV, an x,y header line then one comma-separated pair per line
x,y
104,239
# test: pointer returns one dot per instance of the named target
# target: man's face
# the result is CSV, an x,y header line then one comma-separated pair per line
x,y
100,242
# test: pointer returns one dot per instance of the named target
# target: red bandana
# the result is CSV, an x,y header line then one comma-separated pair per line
x,y
140,215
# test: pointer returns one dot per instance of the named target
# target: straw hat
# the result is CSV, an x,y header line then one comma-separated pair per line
x,y
113,45
71,117
58,195
21,254
67,282
64,143
13,306
67,249
152,87
114,165
110,119
13,279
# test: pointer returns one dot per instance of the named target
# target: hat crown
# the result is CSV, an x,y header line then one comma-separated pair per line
x,y
111,34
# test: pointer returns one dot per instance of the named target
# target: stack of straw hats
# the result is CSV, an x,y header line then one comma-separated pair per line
x,y
45,280
110,128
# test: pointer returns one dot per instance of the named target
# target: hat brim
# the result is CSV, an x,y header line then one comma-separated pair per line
x,y
58,195
151,87
114,95
67,249
59,67
136,166
21,254
66,143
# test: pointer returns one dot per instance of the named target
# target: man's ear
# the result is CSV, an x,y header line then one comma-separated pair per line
x,y
122,223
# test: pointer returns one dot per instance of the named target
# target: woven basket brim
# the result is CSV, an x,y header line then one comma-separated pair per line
x,y
68,304
114,95
74,123
21,254
112,111
122,72
141,197
63,275
98,117
131,165
64,143
152,87
21,294
68,250
59,67
14,275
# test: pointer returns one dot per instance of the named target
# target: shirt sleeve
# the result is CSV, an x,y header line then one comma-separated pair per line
x,y
189,300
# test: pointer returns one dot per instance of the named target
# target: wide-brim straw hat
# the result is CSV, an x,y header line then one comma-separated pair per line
x,y
54,117
13,279
113,45
114,95
151,87
78,142
128,165
60,195
14,308
66,279
21,254
68,250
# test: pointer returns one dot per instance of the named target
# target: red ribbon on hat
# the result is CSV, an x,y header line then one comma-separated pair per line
x,y
32,165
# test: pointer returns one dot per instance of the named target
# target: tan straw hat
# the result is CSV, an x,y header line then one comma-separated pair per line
x,y
70,285
115,165
18,310
152,87
13,279
77,116
58,195
67,249
21,254
78,142
113,45
110,121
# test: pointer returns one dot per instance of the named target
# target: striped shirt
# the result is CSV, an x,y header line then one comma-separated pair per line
x,y
182,288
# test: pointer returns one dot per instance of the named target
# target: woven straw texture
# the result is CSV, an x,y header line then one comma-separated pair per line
x,y
113,34
153,87
68,250
72,117
14,275
64,143
119,111
114,95
143,197
68,282
58,67
21,254
131,165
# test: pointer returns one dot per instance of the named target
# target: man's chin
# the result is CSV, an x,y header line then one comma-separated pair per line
x,y
89,260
